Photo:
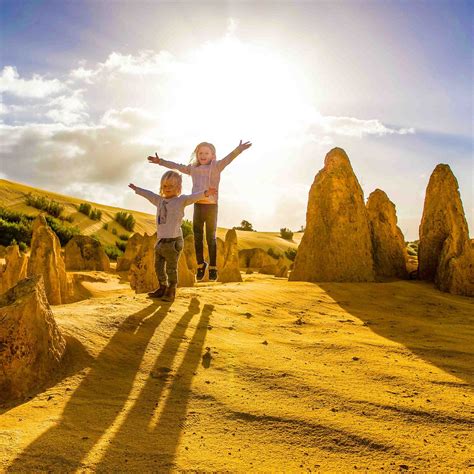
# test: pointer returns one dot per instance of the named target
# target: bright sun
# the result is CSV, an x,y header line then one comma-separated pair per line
x,y
229,89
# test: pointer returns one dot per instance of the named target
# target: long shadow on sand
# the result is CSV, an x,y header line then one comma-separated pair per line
x,y
148,439
435,326
94,405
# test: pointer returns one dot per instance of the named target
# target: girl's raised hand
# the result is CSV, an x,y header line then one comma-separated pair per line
x,y
243,146
131,185
154,159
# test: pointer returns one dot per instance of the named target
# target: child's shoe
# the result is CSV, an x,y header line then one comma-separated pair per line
x,y
201,271
159,292
212,273
170,294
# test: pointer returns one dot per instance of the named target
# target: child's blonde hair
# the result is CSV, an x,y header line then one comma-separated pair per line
x,y
176,178
194,160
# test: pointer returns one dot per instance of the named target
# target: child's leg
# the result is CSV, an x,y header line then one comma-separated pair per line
x,y
198,229
171,252
160,265
211,228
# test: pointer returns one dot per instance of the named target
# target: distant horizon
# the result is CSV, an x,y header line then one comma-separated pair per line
x,y
89,91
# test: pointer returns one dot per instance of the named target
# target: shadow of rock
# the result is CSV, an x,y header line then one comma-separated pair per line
x,y
433,325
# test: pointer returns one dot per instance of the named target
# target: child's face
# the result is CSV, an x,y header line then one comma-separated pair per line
x,y
205,155
169,189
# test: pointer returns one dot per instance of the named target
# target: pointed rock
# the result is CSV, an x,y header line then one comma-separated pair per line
x,y
16,264
85,253
388,244
131,251
445,253
31,345
336,245
142,274
45,259
230,271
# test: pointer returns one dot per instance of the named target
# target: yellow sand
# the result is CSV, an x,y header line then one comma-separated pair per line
x,y
263,375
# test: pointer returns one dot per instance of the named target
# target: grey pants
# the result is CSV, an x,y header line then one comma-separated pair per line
x,y
167,253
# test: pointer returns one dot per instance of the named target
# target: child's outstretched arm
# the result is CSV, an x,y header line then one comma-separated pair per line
x,y
192,198
151,196
169,164
233,154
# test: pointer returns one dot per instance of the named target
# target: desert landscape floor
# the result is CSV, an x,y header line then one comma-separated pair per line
x,y
265,375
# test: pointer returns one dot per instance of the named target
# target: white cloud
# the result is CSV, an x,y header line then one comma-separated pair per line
x,y
68,109
354,127
37,87
82,74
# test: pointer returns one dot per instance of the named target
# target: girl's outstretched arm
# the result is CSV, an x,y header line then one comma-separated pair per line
x,y
233,154
169,164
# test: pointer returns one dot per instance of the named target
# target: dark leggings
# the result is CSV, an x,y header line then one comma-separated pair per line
x,y
205,213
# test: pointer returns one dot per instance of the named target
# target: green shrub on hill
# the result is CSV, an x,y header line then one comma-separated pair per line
x,y
187,228
113,252
86,209
290,254
40,202
64,232
15,232
273,254
126,220
286,233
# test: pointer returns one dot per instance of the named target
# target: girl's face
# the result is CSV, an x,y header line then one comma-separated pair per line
x,y
205,155
169,189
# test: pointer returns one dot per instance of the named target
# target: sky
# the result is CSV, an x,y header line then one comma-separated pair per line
x,y
89,89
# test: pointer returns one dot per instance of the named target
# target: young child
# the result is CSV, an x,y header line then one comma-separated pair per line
x,y
205,172
170,206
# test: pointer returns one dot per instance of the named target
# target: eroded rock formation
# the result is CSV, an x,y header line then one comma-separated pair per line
x,y
15,269
46,260
230,270
255,258
31,345
445,253
85,253
388,244
142,274
131,251
336,245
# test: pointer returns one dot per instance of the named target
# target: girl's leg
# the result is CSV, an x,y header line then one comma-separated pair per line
x,y
211,228
198,229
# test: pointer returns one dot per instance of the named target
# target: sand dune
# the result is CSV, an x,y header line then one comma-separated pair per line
x,y
264,375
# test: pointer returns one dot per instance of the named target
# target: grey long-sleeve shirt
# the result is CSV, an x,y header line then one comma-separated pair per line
x,y
203,176
169,212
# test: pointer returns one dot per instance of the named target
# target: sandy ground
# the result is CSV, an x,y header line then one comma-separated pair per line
x,y
264,375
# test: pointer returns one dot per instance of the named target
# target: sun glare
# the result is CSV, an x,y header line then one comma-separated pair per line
x,y
230,89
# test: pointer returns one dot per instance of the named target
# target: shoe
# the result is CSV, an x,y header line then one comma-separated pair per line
x,y
212,273
159,292
170,294
201,271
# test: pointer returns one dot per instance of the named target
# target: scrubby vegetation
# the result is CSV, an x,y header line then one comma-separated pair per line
x,y
16,226
86,209
48,205
120,244
290,254
273,253
124,237
113,252
126,220
245,225
286,233
187,228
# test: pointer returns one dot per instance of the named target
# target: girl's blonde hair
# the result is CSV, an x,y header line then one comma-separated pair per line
x,y
194,160
176,178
